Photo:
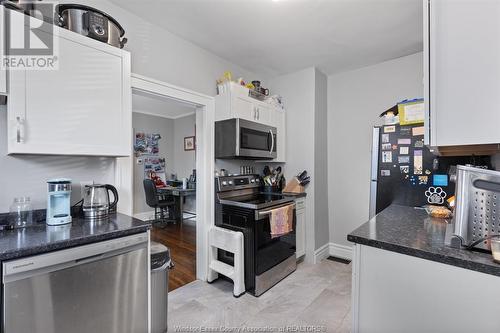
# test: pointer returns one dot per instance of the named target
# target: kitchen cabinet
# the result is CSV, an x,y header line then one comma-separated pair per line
x,y
300,228
461,72
279,121
233,102
82,108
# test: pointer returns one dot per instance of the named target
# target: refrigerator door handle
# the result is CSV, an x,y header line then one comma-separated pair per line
x,y
374,172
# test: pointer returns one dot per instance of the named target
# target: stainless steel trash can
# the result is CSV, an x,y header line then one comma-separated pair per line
x,y
160,264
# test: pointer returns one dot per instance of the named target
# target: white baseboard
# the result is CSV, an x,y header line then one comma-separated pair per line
x,y
340,251
321,253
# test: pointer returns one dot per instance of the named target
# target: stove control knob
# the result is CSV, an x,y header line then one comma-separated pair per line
x,y
224,183
252,181
257,180
230,182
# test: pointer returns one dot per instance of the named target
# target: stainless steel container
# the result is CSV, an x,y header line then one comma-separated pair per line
x,y
477,213
160,264
90,22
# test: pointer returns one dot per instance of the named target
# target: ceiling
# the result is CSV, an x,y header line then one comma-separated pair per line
x,y
274,37
161,107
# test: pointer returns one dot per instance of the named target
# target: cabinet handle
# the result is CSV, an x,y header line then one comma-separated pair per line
x,y
20,130
258,113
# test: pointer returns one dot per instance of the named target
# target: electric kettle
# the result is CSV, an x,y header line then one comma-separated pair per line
x,y
96,203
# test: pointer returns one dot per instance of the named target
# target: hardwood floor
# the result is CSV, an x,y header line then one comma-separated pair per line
x,y
180,238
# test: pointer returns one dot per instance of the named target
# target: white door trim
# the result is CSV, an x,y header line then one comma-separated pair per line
x,y
205,161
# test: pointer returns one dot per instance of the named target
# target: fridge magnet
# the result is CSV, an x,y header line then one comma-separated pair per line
x,y
389,129
404,169
413,180
423,180
394,147
435,195
385,138
404,141
427,172
405,131
386,146
387,157
417,162
419,144
189,143
403,159
403,150
440,180
417,131
385,173
407,176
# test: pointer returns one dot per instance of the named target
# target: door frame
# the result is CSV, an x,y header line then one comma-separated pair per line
x,y
205,161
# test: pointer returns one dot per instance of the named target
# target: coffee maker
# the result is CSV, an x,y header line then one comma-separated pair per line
x,y
58,201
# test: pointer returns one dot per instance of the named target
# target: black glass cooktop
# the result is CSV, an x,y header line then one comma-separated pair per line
x,y
257,201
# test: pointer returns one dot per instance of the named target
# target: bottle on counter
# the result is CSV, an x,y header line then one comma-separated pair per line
x,y
21,212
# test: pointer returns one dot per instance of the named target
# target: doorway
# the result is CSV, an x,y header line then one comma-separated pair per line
x,y
200,108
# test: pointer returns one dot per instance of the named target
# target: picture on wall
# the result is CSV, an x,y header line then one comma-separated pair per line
x,y
154,169
189,143
146,144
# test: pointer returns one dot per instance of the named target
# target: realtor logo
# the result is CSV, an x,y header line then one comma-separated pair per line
x,y
30,41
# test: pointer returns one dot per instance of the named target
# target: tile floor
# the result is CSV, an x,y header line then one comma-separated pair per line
x,y
316,296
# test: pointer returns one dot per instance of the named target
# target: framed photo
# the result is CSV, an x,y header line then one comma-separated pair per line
x,y
189,143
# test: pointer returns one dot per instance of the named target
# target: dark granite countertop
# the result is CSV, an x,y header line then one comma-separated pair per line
x,y
42,238
411,231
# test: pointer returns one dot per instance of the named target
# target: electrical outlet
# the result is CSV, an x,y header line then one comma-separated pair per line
x,y
82,186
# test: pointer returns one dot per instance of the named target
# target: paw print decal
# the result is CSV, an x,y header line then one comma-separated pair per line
x,y
435,195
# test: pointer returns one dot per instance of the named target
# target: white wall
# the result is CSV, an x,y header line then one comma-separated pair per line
x,y
299,93
183,161
321,161
355,100
159,54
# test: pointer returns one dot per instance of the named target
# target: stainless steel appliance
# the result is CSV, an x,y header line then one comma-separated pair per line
x,y
90,22
477,212
96,203
58,201
101,287
244,139
160,264
240,206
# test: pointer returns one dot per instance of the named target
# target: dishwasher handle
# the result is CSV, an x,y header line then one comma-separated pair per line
x,y
17,269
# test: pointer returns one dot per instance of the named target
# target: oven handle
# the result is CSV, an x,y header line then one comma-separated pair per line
x,y
261,214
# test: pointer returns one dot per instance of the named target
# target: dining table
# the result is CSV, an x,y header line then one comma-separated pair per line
x,y
181,194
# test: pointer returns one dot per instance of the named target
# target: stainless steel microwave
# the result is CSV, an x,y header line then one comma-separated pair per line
x,y
243,139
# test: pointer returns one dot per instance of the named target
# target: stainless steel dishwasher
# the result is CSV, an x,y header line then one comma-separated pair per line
x,y
101,287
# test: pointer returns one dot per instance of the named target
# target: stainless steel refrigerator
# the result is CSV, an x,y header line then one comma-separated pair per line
x,y
406,172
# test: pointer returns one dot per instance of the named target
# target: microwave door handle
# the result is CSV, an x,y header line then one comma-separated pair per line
x,y
272,141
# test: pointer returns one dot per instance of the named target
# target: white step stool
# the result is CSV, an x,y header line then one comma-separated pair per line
x,y
231,241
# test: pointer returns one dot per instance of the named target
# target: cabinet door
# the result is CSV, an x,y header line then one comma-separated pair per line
x,y
300,232
80,109
263,114
244,109
464,70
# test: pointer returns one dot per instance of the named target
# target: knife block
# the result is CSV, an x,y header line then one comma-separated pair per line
x,y
293,186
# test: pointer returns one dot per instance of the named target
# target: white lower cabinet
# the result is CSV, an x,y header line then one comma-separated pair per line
x,y
82,108
300,228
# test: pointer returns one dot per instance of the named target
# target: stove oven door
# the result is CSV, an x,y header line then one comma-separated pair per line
x,y
271,251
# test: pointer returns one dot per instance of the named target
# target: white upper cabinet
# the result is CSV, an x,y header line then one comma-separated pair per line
x,y
82,108
462,72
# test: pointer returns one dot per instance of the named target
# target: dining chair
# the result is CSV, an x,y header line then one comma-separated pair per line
x,y
160,203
